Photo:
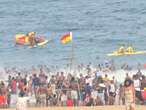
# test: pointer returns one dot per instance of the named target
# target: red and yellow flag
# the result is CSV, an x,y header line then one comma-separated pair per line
x,y
66,38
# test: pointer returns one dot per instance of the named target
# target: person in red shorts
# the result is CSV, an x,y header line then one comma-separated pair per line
x,y
69,102
143,93
2,100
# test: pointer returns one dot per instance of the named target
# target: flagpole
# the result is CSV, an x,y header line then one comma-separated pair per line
x,y
72,53
72,63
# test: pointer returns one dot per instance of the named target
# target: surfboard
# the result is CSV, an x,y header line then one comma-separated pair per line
x,y
40,44
43,43
126,53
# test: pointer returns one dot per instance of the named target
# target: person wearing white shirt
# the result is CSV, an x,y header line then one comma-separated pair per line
x,y
137,85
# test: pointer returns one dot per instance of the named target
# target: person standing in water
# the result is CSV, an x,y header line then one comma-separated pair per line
x,y
129,94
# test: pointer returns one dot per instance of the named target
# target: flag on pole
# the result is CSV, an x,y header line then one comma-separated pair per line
x,y
66,38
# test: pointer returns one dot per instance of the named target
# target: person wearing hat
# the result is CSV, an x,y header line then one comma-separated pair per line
x,y
32,39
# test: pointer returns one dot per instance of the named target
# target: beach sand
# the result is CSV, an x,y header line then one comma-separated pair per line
x,y
84,108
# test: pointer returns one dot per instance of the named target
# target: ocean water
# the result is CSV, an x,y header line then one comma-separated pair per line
x,y
98,26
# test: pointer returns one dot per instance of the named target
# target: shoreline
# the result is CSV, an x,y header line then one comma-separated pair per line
x,y
139,107
119,74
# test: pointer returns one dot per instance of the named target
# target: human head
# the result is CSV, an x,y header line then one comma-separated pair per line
x,y
62,73
19,74
127,83
121,85
31,34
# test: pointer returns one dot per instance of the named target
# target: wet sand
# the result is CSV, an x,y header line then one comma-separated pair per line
x,y
83,108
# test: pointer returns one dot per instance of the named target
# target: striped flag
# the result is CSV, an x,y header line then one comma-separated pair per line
x,y
66,38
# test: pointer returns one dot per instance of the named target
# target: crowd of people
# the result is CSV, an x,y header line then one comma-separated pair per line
x,y
92,88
